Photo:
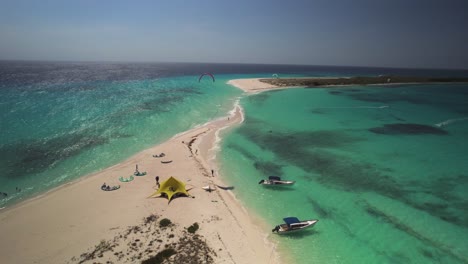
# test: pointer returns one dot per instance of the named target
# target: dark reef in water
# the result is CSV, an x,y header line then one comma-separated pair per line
x,y
393,94
313,152
161,104
387,98
244,152
309,151
268,168
396,223
170,97
446,203
407,129
39,155
322,212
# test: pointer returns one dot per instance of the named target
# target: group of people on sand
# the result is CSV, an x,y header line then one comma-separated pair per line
x,y
159,156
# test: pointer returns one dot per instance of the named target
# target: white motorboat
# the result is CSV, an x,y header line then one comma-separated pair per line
x,y
293,224
275,181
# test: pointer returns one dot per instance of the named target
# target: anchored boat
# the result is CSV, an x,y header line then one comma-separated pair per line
x,y
276,181
292,224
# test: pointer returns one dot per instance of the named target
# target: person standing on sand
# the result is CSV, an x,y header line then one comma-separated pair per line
x,y
212,173
157,181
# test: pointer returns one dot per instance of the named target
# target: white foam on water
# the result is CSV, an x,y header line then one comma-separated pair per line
x,y
232,113
450,121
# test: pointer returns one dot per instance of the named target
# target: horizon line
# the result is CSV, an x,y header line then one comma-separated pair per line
x,y
241,63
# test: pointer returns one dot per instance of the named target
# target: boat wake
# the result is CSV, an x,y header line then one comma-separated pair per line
x,y
451,121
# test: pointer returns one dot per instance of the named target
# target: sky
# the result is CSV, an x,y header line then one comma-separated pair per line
x,y
378,33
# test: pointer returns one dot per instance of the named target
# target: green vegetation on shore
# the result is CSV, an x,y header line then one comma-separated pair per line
x,y
151,242
312,82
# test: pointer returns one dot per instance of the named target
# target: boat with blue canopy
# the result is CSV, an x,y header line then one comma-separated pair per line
x,y
293,224
276,181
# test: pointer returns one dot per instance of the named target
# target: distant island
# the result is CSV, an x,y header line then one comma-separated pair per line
x,y
378,80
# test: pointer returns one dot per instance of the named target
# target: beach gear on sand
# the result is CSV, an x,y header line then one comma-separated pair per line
x,y
225,187
122,179
209,188
139,173
108,188
170,188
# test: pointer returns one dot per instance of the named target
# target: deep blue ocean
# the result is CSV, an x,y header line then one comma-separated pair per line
x,y
384,169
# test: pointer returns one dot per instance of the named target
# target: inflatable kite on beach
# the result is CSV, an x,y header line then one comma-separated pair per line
x,y
171,187
206,73
122,179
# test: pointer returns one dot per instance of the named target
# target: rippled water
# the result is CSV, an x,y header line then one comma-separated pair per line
x,y
383,169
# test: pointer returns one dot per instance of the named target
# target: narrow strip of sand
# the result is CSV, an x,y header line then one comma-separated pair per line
x,y
252,85
259,85
74,218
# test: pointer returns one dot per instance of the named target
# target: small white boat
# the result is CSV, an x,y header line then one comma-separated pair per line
x,y
293,224
275,181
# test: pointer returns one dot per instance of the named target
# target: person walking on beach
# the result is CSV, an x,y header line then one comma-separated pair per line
x,y
136,170
157,181
212,173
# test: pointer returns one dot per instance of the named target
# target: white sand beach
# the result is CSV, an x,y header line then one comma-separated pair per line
x,y
252,85
72,219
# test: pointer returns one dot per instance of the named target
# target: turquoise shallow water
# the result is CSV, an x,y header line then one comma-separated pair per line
x,y
394,194
53,134
383,169
61,121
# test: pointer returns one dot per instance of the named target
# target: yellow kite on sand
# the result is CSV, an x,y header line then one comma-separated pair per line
x,y
171,187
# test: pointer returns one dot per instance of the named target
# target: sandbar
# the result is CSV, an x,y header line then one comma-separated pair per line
x,y
257,85
77,218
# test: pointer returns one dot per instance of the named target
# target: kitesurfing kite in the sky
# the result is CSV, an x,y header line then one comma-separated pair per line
x,y
206,73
